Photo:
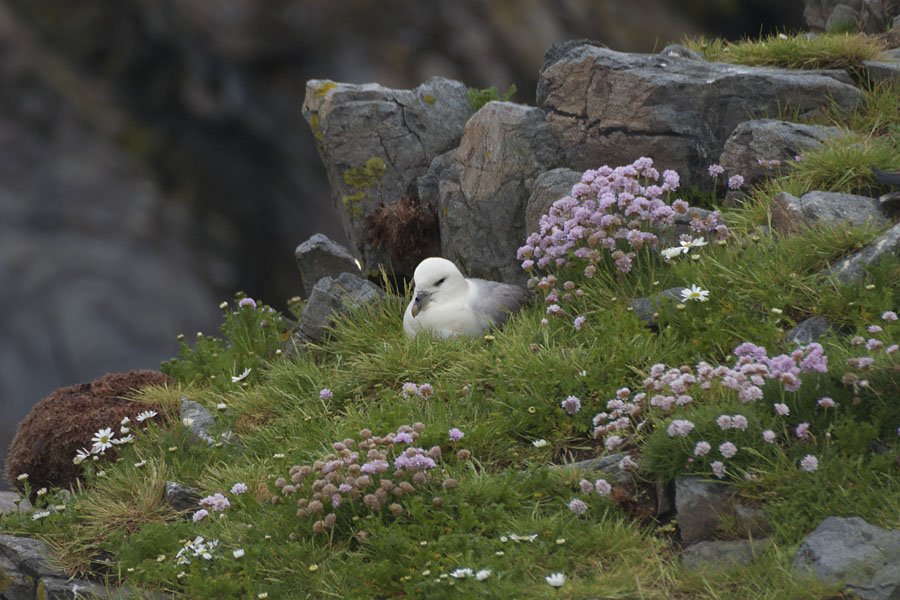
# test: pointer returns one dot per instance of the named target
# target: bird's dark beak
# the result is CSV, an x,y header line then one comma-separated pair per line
x,y
420,302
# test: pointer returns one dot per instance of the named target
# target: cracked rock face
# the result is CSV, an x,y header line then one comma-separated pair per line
x,y
790,214
376,142
607,107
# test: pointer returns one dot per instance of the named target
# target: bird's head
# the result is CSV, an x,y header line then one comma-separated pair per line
x,y
435,278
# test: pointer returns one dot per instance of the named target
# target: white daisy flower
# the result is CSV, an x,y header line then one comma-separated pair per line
x,y
147,414
539,443
483,574
556,579
695,293
103,440
462,573
242,376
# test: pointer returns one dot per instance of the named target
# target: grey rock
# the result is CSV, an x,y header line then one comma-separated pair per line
x,y
791,214
646,308
14,585
723,553
679,51
444,167
895,24
769,140
319,257
201,420
816,12
9,500
893,54
882,71
665,497
852,268
504,147
330,297
31,557
864,557
181,497
618,107
808,331
843,19
75,589
376,142
703,505
548,188
607,465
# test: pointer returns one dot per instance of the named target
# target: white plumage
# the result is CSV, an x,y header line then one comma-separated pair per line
x,y
447,304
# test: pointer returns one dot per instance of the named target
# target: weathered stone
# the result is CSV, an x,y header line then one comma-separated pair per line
x,y
895,25
882,71
703,505
548,188
504,147
376,142
722,553
679,51
852,268
665,497
444,167
864,557
320,257
330,297
74,589
14,585
11,502
181,497
809,330
842,19
646,308
769,140
791,214
198,419
30,556
608,465
609,107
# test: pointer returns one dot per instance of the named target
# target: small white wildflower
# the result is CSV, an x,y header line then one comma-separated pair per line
x,y
102,440
147,414
238,553
483,574
462,573
41,491
140,464
539,443
278,455
22,477
41,514
187,421
695,293
241,377
221,406
556,579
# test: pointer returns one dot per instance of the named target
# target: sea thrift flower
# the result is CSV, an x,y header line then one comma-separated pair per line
x,y
614,441
571,405
724,422
216,502
874,329
456,435
326,394
728,449
247,302
680,427
888,315
769,436
739,422
239,488
735,182
200,515
579,322
826,402
809,463
782,409
603,487
718,468
891,349
802,431
715,170
874,344
409,389
425,390
702,449
586,486
577,506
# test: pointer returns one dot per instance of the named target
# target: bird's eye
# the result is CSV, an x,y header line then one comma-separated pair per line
x,y
440,281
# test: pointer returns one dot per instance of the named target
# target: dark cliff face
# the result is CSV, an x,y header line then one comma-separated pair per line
x,y
154,157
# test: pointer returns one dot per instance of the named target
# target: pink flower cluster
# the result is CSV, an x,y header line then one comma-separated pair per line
x,y
607,214
410,389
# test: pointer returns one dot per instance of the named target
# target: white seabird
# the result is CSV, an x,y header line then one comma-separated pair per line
x,y
448,304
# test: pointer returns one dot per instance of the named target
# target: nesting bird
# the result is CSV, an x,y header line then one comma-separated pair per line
x,y
448,304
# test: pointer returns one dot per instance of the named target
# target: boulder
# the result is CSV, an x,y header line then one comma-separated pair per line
x,y
722,553
320,257
548,188
852,268
181,497
867,16
376,142
610,107
843,19
882,71
809,330
790,214
865,558
78,589
198,419
66,420
646,308
754,146
30,558
679,51
607,466
704,505
504,147
11,502
330,297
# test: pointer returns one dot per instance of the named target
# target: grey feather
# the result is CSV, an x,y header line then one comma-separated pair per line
x,y
496,301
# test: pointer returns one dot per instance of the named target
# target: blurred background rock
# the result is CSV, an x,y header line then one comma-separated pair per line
x,y
153,159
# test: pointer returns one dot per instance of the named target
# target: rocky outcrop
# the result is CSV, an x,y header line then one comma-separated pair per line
x,y
869,16
703,505
331,297
548,188
865,558
756,148
63,422
722,553
852,268
607,107
319,257
376,142
504,148
791,214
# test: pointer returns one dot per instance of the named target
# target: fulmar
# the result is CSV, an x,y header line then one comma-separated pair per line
x,y
448,304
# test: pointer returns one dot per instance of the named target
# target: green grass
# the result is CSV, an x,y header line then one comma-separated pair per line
x,y
504,392
828,51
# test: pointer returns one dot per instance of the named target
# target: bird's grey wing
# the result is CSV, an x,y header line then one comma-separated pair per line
x,y
495,300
